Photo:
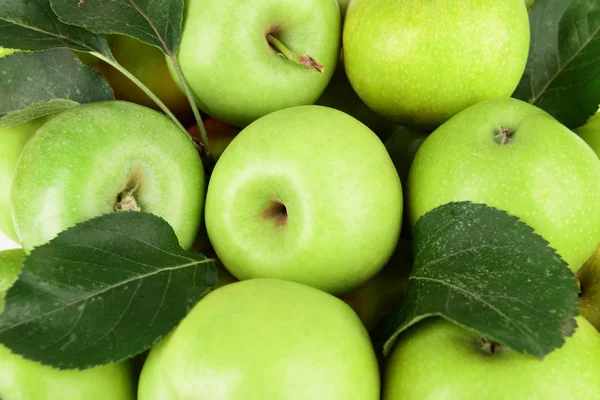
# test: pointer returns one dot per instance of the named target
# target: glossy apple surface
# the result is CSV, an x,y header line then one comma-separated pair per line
x,y
436,359
264,339
13,140
421,62
590,132
306,194
235,75
543,174
85,161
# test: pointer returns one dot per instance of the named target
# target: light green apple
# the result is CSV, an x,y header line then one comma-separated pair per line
x,y
264,339
421,62
384,293
101,157
515,157
233,70
437,359
588,277
12,141
148,64
307,194
22,379
590,132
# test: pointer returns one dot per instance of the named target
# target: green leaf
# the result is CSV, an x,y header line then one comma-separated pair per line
x,y
563,70
158,23
485,270
103,291
31,25
10,265
42,83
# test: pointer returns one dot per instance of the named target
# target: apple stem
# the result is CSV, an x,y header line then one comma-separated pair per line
x,y
144,88
305,60
127,201
490,346
504,136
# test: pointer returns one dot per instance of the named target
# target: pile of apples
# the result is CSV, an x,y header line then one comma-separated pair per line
x,y
293,184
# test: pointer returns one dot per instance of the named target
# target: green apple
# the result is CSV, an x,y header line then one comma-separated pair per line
x,y
100,157
233,70
590,132
437,359
589,283
340,95
13,140
421,62
515,157
307,194
22,379
148,64
264,339
381,295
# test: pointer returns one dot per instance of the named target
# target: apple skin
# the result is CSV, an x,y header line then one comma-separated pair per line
x,y
307,194
14,139
418,63
381,295
232,70
437,359
590,132
545,175
78,163
22,379
589,281
264,339
149,65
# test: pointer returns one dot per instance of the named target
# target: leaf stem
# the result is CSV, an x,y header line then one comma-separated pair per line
x,y
144,88
305,60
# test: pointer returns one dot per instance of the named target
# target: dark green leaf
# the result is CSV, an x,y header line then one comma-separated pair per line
x,y
158,23
10,265
563,70
46,82
488,271
31,25
103,291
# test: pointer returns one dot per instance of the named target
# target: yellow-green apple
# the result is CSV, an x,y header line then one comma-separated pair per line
x,y
229,57
590,132
513,156
589,283
101,157
149,65
307,194
13,140
264,339
382,294
437,359
420,62
22,379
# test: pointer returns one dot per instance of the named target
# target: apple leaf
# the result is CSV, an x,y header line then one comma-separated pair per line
x,y
46,82
103,291
31,25
158,23
563,70
486,270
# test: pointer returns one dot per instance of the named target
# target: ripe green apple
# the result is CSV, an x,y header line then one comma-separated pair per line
x,y
589,282
264,339
13,140
421,62
307,194
590,132
234,72
148,64
437,359
99,157
22,379
515,157
382,294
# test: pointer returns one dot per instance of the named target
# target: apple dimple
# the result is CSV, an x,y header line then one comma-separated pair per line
x,y
503,135
277,212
